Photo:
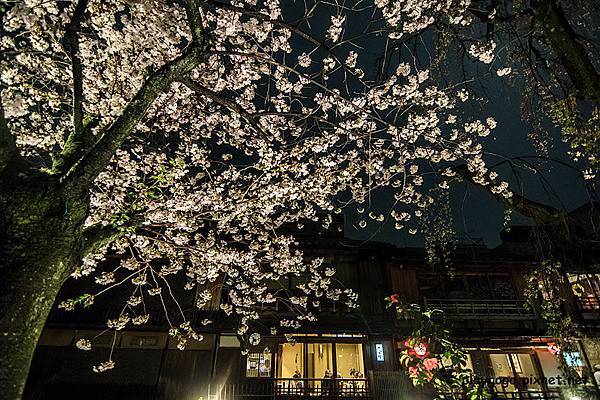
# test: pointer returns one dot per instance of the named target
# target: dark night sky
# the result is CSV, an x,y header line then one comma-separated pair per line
x,y
477,215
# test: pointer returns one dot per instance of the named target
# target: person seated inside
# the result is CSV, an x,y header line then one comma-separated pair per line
x,y
326,383
297,384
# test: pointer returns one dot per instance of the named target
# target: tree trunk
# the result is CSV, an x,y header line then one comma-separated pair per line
x,y
572,54
40,243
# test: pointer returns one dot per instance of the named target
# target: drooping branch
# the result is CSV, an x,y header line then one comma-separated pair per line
x,y
217,98
572,54
221,100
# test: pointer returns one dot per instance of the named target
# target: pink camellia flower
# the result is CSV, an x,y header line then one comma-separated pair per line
x,y
394,298
413,371
431,363
553,348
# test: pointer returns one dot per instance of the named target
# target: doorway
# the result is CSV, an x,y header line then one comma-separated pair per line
x,y
515,372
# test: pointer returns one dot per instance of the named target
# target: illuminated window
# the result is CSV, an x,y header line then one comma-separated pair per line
x,y
587,288
320,360
514,365
291,360
258,365
350,362
574,361
516,362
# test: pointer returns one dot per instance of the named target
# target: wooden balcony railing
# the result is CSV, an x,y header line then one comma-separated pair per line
x,y
322,387
341,389
325,306
325,387
476,308
589,303
292,388
262,389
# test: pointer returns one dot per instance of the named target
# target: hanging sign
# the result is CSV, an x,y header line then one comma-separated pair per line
x,y
379,352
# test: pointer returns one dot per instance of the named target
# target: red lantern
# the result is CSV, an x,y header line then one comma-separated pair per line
x,y
420,348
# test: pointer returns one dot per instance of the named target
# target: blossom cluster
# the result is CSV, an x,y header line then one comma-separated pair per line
x,y
410,16
260,136
420,364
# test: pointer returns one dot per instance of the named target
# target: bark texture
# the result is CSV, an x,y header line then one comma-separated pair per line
x,y
550,17
42,214
41,241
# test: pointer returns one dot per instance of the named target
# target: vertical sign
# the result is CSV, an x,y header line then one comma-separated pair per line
x,y
379,352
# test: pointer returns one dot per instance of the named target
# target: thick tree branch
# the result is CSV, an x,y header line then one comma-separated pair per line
x,y
571,53
97,236
80,138
194,18
71,45
97,158
8,146
541,213
83,173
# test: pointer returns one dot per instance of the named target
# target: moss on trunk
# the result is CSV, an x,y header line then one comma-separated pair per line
x,y
40,243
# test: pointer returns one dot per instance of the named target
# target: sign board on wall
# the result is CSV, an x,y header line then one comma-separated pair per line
x,y
380,356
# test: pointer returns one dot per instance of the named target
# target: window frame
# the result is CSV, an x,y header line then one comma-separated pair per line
x,y
261,357
324,338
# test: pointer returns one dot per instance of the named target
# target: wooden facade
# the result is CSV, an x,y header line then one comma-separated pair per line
x,y
482,300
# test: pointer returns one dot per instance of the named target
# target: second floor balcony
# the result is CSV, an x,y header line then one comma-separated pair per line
x,y
337,388
481,308
589,303
293,388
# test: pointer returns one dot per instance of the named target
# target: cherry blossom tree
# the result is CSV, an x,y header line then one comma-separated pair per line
x,y
184,135
547,48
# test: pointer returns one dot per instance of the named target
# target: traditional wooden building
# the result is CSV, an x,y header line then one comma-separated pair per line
x,y
346,353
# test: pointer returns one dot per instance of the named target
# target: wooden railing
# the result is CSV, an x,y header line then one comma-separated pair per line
x,y
479,308
339,389
588,303
262,389
528,395
325,306
292,388
322,387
